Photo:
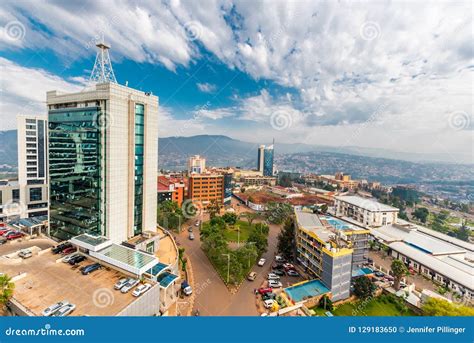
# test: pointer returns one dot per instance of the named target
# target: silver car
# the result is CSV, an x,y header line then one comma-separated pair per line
x,y
53,308
129,285
120,283
65,310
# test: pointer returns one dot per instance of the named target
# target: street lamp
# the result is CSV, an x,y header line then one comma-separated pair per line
x,y
228,266
250,243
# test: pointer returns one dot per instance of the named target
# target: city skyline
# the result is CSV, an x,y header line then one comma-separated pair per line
x,y
256,77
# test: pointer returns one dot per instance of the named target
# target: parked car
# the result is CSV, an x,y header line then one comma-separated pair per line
x,y
274,284
267,296
13,235
261,262
264,290
279,258
58,248
53,308
69,257
292,272
278,272
379,274
268,303
186,288
288,266
120,283
198,223
191,236
141,289
3,240
277,266
129,285
4,231
90,268
272,276
25,253
69,250
77,259
251,276
64,311
190,229
369,260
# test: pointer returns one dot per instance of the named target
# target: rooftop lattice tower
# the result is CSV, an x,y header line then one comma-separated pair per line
x,y
102,71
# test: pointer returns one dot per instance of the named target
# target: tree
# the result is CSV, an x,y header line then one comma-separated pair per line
x,y
440,307
421,214
286,240
250,216
285,181
213,208
323,208
326,303
277,213
230,218
7,287
363,287
463,232
399,270
260,239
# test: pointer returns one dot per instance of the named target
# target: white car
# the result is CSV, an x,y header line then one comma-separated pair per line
x,y
129,285
268,303
25,253
141,289
65,310
69,257
120,283
274,284
53,308
273,276
292,272
279,258
261,262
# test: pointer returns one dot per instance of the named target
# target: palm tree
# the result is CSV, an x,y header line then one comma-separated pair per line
x,y
399,270
7,287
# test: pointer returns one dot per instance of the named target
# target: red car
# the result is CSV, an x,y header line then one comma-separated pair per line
x,y
4,231
69,250
264,290
13,235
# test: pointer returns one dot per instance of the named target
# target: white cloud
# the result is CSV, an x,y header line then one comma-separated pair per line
x,y
23,91
206,87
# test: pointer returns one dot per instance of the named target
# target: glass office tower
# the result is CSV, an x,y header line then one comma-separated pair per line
x,y
268,161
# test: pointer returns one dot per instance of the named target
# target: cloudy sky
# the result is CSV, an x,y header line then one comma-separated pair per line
x,y
377,74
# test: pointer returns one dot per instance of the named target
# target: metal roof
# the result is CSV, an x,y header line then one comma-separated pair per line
x,y
366,204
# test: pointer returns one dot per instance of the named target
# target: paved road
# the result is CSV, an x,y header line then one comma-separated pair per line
x,y
212,296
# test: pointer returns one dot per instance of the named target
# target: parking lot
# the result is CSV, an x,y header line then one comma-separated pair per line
x,y
41,281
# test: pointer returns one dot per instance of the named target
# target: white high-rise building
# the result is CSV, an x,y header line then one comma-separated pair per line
x,y
32,165
196,164
103,162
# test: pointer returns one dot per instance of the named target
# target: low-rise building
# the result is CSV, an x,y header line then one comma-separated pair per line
x,y
10,206
364,211
171,188
331,250
441,258
204,188
258,181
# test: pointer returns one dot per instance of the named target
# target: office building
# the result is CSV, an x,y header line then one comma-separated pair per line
x,y
103,155
10,205
32,165
364,211
265,160
196,164
227,188
330,250
204,188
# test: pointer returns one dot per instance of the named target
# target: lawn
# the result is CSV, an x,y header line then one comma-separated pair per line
x,y
232,233
380,306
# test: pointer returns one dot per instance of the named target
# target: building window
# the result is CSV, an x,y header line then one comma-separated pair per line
x,y
16,195
139,152
36,194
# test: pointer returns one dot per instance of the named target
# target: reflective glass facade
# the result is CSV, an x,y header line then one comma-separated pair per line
x,y
268,162
75,172
139,150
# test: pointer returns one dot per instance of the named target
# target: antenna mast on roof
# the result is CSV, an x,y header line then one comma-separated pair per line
x,y
102,71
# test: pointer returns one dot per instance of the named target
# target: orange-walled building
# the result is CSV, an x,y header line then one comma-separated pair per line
x,y
171,188
203,188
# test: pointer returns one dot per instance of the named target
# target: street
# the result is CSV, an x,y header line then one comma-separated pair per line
x,y
212,296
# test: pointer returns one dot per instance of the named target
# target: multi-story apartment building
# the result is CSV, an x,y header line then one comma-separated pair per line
x,y
366,212
102,162
32,165
196,164
330,250
204,188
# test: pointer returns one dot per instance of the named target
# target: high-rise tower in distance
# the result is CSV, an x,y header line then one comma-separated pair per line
x,y
265,160
103,152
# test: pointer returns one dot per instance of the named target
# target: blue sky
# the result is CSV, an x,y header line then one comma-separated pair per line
x,y
392,75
